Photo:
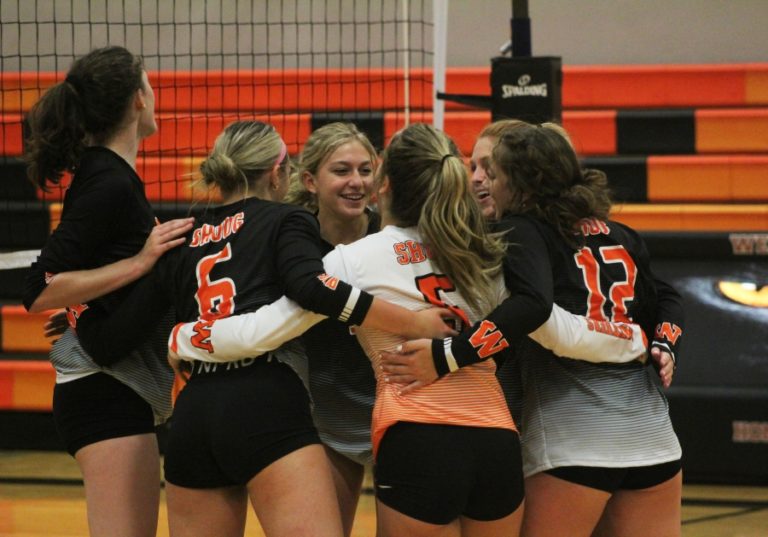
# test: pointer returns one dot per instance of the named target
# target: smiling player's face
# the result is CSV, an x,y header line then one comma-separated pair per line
x,y
479,164
344,182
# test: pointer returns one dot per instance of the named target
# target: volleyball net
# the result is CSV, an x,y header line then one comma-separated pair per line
x,y
296,64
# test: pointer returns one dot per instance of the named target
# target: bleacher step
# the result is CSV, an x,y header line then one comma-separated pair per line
x,y
304,90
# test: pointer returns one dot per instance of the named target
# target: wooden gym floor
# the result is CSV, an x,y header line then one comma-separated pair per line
x,y
41,495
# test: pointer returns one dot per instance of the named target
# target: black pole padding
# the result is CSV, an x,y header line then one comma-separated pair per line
x,y
520,26
520,8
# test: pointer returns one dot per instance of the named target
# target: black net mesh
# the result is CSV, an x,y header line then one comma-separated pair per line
x,y
295,63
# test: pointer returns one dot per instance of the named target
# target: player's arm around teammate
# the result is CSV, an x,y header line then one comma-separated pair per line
x,y
602,495
434,249
91,124
239,257
334,180
567,335
609,452
423,162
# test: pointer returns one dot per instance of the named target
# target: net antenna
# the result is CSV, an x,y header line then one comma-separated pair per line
x,y
406,63
439,37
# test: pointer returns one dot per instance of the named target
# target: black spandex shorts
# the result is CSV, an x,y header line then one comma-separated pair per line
x,y
614,479
437,473
98,407
229,425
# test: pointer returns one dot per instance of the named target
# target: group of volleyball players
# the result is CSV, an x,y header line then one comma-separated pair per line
x,y
402,324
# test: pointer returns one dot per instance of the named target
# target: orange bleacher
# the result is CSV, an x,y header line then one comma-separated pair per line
x,y
722,186
584,87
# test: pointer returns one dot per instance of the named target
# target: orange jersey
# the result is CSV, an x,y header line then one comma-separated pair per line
x,y
396,266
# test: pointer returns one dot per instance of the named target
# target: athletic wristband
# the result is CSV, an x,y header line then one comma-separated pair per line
x,y
359,309
439,356
667,337
666,348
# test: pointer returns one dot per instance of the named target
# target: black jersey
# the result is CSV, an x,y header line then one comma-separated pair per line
x,y
341,381
106,217
609,279
237,258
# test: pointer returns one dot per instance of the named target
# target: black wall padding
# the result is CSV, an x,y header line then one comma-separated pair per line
x,y
655,132
627,177
708,424
14,184
371,123
12,283
23,225
705,245
719,395
29,430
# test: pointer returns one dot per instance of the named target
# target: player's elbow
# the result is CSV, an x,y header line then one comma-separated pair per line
x,y
539,310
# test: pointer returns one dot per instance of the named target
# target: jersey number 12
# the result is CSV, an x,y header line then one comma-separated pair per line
x,y
621,292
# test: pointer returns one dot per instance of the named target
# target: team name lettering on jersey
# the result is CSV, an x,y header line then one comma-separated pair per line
x,y
622,331
331,282
203,368
668,331
488,340
411,252
208,233
593,226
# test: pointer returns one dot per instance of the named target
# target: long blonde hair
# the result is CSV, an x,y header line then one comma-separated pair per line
x,y
319,146
430,189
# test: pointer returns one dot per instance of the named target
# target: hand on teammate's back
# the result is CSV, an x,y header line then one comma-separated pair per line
x,y
57,324
410,364
432,323
162,238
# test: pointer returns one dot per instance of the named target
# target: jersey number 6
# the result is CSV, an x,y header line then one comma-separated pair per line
x,y
215,298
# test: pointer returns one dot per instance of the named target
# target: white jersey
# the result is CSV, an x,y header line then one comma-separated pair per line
x,y
395,265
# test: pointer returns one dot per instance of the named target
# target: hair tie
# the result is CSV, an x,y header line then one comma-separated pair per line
x,y
283,152
74,91
445,157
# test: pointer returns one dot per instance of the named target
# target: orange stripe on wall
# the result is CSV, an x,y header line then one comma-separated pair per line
x,y
757,86
23,331
724,131
22,89
692,217
592,132
33,387
655,85
707,178
194,134
11,143
165,179
26,384
6,386
292,89
623,86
